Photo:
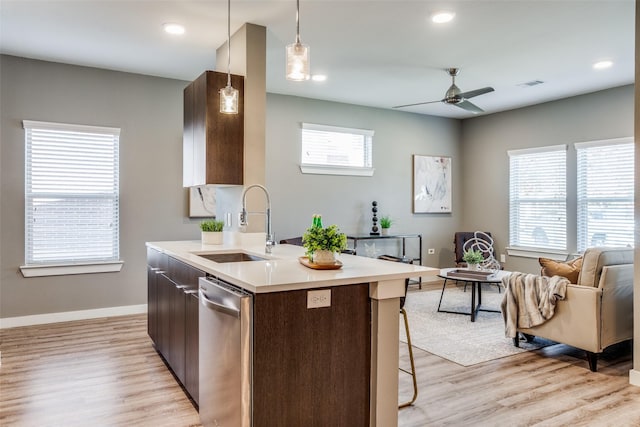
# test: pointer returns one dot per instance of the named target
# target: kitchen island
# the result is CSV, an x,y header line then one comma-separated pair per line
x,y
332,361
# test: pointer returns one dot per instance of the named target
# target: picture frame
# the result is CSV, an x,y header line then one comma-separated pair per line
x,y
432,189
202,201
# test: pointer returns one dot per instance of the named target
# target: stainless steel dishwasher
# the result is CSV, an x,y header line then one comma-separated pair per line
x,y
225,361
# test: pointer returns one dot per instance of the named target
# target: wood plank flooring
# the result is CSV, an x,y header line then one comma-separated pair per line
x,y
105,372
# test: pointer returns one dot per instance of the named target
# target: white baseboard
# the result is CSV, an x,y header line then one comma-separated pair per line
x,y
634,377
40,319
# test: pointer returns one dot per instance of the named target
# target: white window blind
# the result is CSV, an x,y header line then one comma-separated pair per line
x,y
605,193
538,198
336,150
71,194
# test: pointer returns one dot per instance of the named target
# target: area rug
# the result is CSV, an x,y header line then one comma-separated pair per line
x,y
453,336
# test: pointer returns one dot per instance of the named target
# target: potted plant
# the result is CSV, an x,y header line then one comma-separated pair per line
x,y
473,257
212,231
322,243
385,224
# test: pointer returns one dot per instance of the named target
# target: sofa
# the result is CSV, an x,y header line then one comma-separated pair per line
x,y
597,310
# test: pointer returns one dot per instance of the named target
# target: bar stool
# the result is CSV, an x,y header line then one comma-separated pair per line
x,y
406,328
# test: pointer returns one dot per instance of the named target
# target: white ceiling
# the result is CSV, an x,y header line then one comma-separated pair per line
x,y
375,53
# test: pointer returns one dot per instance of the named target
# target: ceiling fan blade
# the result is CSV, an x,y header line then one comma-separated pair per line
x,y
412,105
472,93
466,105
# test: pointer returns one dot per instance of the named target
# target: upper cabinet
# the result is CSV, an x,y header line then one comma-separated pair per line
x,y
213,142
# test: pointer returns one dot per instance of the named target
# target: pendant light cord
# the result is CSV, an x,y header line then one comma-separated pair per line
x,y
298,21
228,42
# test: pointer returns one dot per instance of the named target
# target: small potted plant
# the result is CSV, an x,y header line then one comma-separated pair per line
x,y
212,231
472,258
385,224
323,243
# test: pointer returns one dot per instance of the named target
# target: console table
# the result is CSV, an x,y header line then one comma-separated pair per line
x,y
403,237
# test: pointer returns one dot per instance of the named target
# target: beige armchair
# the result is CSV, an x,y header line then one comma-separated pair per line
x,y
598,310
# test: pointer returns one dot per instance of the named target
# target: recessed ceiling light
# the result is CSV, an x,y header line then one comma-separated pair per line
x,y
601,65
173,28
442,17
318,77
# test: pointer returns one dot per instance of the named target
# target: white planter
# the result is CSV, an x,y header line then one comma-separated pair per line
x,y
384,231
324,257
473,267
212,237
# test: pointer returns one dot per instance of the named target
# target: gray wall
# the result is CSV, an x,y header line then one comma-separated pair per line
x,y
346,200
485,141
152,200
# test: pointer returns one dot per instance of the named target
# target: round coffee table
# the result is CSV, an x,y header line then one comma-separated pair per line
x,y
475,279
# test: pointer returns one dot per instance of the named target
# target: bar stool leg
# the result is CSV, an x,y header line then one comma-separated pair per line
x,y
413,366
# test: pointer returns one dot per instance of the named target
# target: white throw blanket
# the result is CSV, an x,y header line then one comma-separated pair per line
x,y
530,300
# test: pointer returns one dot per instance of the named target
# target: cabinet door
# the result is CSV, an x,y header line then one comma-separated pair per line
x,y
157,264
171,324
213,142
177,332
152,304
191,347
164,288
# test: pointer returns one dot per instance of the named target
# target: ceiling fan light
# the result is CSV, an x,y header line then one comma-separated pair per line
x,y
298,62
229,100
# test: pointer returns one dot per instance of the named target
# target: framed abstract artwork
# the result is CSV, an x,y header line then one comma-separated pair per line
x,y
431,184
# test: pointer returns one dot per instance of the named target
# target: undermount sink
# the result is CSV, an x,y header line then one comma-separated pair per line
x,y
231,257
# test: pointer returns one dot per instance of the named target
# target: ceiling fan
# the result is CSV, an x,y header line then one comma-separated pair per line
x,y
455,97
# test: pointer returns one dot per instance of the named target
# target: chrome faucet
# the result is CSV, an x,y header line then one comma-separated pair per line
x,y
270,243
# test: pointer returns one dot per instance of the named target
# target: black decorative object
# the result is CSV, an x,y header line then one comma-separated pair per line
x,y
374,228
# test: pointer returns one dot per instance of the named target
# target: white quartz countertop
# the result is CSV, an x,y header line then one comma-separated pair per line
x,y
281,270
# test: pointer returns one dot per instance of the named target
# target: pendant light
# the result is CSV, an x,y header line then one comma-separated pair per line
x,y
229,95
298,55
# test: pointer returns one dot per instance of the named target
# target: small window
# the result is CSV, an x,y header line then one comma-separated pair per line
x,y
71,195
538,198
334,150
605,193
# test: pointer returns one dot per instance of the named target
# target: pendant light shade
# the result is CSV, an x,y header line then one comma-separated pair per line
x,y
229,95
298,55
229,100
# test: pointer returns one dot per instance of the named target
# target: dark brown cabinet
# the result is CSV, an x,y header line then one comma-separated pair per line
x,y
191,376
157,264
213,142
173,315
172,325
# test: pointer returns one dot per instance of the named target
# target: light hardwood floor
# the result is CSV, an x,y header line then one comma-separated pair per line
x,y
105,372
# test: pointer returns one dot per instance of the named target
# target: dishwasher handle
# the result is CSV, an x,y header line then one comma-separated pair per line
x,y
213,305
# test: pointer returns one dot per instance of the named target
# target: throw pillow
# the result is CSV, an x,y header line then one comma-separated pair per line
x,y
568,269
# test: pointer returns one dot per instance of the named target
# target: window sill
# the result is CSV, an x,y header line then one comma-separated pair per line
x,y
537,253
336,170
67,269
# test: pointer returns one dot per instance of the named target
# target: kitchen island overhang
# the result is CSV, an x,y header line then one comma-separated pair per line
x,y
281,272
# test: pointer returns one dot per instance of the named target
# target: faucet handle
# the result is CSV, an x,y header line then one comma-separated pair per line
x,y
270,243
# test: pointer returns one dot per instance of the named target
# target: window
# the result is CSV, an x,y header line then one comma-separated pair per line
x,y
71,197
605,193
336,151
538,198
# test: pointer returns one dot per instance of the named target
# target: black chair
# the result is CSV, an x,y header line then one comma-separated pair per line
x,y
406,328
461,238
464,240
